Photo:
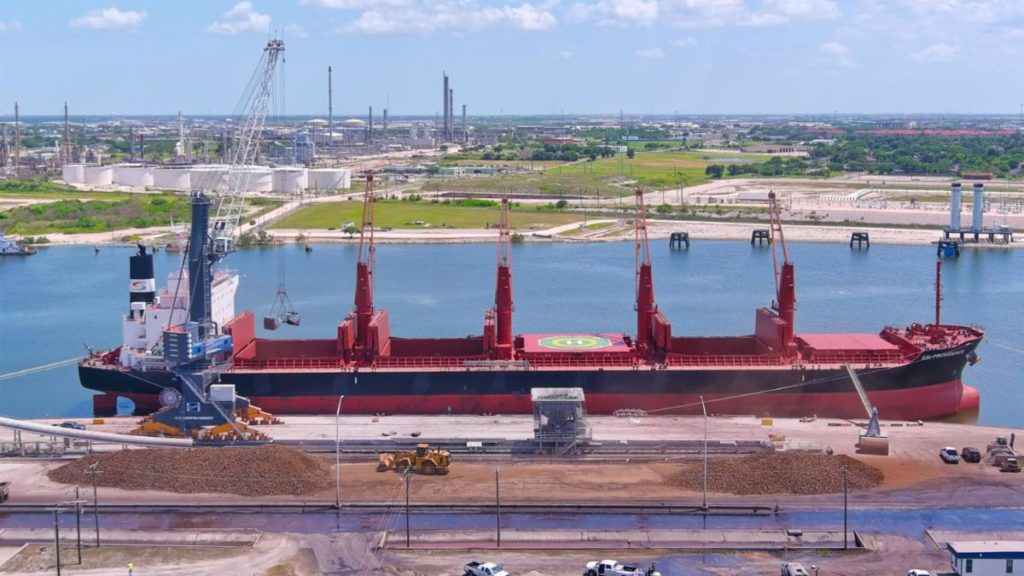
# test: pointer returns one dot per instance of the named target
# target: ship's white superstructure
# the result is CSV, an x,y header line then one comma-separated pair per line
x,y
142,328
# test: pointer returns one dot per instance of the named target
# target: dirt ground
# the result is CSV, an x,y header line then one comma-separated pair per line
x,y
273,555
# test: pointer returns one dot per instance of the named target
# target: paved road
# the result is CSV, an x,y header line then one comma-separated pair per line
x,y
910,523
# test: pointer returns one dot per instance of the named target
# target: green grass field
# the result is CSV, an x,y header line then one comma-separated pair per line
x,y
405,214
71,215
41,189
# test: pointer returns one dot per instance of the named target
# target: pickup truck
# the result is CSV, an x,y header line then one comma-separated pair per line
x,y
793,569
484,569
613,568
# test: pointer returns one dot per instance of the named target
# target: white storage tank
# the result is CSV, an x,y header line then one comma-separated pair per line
x,y
330,179
99,175
209,177
172,178
290,180
255,179
74,173
133,175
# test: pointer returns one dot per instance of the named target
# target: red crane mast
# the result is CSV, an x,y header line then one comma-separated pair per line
x,y
645,307
364,269
503,290
785,279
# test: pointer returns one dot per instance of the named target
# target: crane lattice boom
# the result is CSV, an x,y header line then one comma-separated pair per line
x,y
253,108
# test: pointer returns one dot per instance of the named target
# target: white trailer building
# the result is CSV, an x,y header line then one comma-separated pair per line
x,y
987,558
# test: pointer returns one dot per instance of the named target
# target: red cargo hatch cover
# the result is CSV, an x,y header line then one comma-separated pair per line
x,y
858,342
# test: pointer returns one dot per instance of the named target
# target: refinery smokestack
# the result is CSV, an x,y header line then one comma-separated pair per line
x,y
67,138
465,132
385,124
954,206
369,128
330,107
17,142
451,114
444,127
979,207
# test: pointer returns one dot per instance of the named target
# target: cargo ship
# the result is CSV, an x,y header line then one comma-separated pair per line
x,y
911,372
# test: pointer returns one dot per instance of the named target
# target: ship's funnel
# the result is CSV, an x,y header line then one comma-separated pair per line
x,y
142,286
979,207
954,206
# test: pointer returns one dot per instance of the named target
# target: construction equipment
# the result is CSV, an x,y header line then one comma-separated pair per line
x,y
424,460
197,351
871,441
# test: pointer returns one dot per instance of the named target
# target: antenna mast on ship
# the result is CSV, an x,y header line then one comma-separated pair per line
x,y
364,269
645,307
503,305
785,280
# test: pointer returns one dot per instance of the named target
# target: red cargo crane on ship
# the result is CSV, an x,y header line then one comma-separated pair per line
x,y
653,331
503,306
364,268
785,280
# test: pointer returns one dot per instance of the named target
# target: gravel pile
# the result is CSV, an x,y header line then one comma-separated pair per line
x,y
778,473
264,471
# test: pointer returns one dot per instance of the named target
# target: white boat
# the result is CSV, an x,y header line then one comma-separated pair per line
x,y
9,247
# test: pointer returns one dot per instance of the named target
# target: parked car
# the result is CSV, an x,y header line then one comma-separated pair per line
x,y
484,569
949,455
794,569
969,454
71,424
613,568
1010,465
916,572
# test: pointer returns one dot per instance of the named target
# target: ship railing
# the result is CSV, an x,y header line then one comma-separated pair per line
x,y
857,358
723,360
578,361
321,363
425,361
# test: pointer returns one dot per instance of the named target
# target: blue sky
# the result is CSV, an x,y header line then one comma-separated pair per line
x,y
519,56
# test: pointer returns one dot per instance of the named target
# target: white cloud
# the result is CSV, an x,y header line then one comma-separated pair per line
x,y
686,42
241,18
809,9
567,54
616,12
836,54
354,4
651,53
457,16
10,25
295,31
109,18
937,53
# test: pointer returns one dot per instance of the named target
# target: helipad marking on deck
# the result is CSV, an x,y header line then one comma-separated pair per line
x,y
574,342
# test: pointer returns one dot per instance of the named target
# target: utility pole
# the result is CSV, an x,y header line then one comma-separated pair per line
x,y
56,536
92,471
497,503
337,454
78,525
704,505
406,508
845,508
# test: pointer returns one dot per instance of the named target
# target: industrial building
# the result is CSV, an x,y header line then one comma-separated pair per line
x,y
987,558
285,180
